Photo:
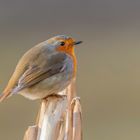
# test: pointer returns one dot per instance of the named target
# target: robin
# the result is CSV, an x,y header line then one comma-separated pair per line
x,y
45,69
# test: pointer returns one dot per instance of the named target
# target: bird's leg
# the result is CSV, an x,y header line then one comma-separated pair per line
x,y
54,95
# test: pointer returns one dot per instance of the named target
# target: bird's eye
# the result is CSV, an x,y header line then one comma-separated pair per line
x,y
62,43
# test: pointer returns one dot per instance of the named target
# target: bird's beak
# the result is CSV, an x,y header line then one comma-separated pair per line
x,y
77,42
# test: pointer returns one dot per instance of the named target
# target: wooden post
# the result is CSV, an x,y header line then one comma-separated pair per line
x,y
59,118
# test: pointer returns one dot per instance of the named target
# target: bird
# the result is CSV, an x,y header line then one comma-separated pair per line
x,y
45,69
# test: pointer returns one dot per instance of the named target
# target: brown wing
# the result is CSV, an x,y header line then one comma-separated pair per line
x,y
31,69
35,74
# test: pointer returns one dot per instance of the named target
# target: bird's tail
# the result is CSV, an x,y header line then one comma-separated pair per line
x,y
4,95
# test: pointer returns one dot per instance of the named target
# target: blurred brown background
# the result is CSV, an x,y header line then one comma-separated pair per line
x,y
108,80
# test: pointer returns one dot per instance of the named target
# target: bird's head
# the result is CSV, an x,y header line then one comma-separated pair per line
x,y
63,43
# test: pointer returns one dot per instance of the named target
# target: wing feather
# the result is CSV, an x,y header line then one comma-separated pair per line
x,y
35,74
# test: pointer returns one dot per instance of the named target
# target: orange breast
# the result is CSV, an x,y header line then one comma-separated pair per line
x,y
70,51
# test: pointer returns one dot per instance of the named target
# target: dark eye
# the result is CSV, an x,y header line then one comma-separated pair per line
x,y
62,43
